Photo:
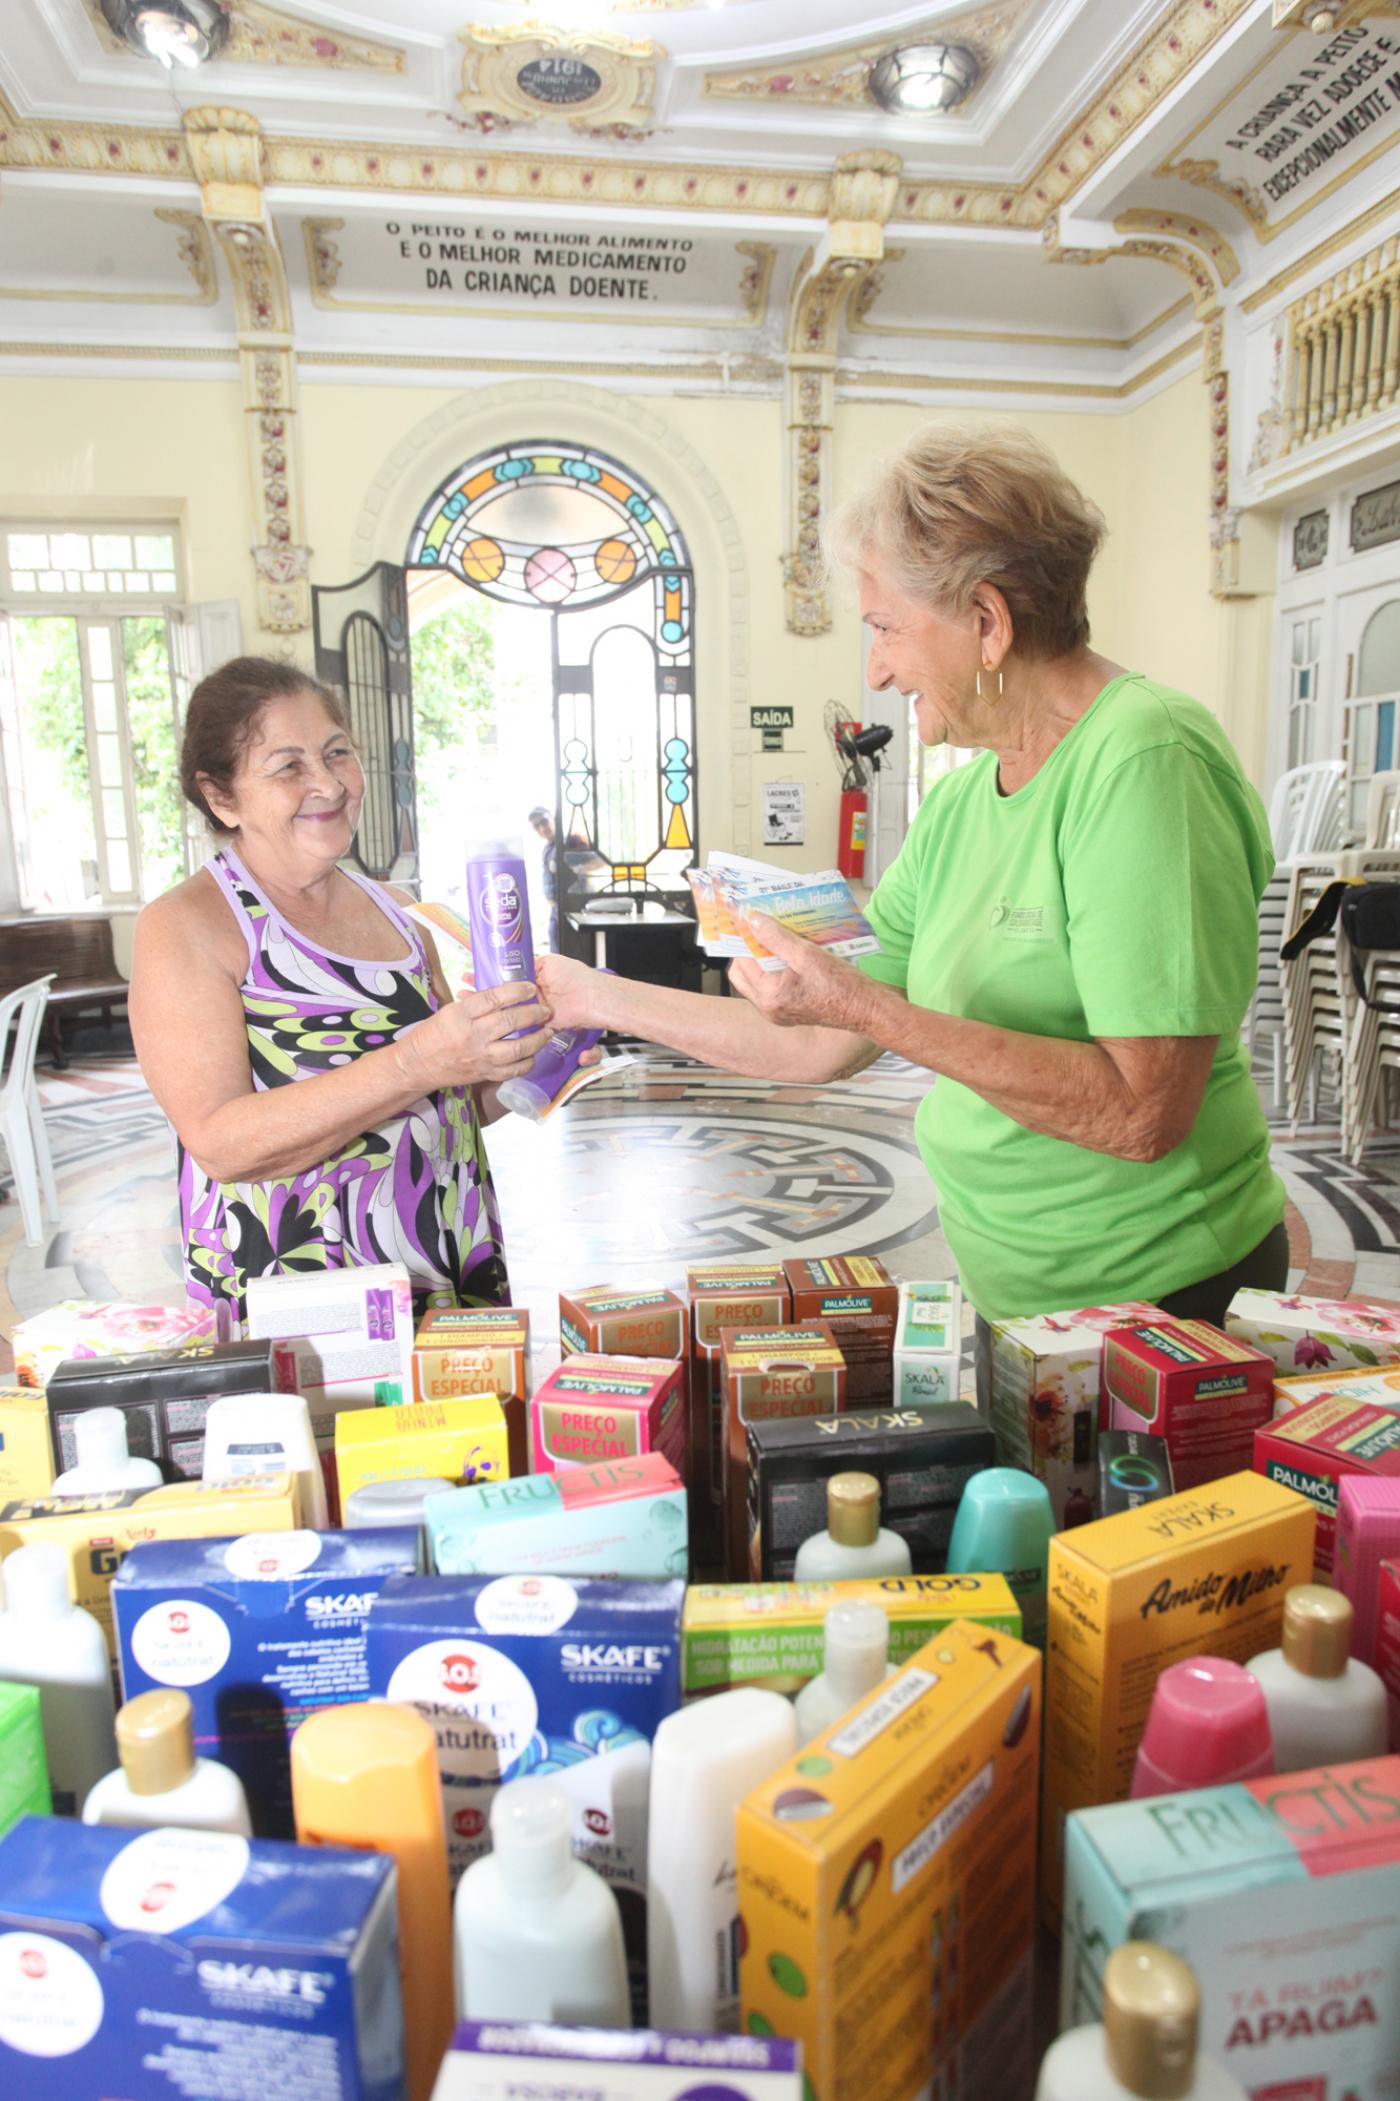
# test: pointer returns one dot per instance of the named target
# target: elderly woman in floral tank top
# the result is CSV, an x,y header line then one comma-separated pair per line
x,y
327,1091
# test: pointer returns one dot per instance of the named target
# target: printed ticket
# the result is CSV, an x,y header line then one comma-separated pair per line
x,y
819,907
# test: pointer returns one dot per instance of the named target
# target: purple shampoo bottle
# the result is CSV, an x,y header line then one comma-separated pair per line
x,y
498,910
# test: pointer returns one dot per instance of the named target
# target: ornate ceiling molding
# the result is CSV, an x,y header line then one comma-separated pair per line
x,y
1337,14
1196,233
595,81
264,36
840,79
1147,248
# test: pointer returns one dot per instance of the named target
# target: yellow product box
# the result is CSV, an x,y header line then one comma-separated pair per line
x,y
461,1350
886,1882
774,1634
97,1532
456,1441
1202,1573
26,1451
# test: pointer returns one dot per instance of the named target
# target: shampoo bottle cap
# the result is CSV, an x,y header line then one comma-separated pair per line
x,y
507,848
1004,1520
853,1509
532,1837
1317,1630
1151,2007
857,1646
365,1774
391,1502
100,1435
36,1583
155,1740
1208,1723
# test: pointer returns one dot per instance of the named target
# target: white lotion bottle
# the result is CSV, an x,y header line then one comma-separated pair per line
x,y
854,1543
538,1934
104,1463
857,1657
160,1780
266,1433
1325,1707
1144,2049
704,1760
48,1641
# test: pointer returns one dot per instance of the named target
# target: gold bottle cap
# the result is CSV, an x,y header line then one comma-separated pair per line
x,y
1151,2008
853,1509
155,1741
1317,1630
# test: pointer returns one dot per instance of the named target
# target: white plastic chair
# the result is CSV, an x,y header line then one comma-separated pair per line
x,y
1307,808
21,1118
1383,810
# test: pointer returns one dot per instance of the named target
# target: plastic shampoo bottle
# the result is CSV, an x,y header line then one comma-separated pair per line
x,y
538,1933
856,1659
48,1641
159,1780
854,1543
1325,1708
498,910
1144,2049
1208,1725
103,1459
266,1433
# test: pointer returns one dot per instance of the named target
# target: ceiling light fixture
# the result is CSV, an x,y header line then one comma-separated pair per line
x,y
177,32
917,78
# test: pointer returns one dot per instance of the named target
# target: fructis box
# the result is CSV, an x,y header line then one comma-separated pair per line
x,y
1310,1334
1387,1649
858,1300
923,1459
595,1408
508,2060
171,1963
97,1532
1039,1383
164,1395
1313,1449
774,1634
26,1450
103,1328
1284,1897
540,1674
1375,1389
886,1881
927,1345
1200,1573
1186,1382
768,1374
461,1350
721,1295
260,1631
350,1332
457,1441
626,1518
606,1321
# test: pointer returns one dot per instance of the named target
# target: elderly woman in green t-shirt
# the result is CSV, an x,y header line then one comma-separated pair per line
x,y
1068,938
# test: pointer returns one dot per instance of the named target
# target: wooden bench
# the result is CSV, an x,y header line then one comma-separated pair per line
x,y
78,951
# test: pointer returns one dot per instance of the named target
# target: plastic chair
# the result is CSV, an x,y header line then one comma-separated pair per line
x,y
21,1119
1383,810
1306,811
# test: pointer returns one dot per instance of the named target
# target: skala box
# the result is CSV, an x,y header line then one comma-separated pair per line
x,y
1314,1335
103,1328
1374,1389
927,1345
1314,1448
602,1321
512,2060
774,1634
350,1332
461,1350
886,1880
721,1295
1197,1574
457,1441
768,1374
164,1395
1039,1383
26,1454
259,1631
858,1300
595,1409
624,1519
1284,1897
170,1963
1188,1383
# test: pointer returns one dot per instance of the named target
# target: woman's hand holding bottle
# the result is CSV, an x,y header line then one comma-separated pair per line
x,y
474,1040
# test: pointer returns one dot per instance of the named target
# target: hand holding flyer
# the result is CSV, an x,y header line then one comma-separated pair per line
x,y
820,907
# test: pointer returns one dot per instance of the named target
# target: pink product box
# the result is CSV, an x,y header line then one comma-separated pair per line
x,y
1310,1334
1387,1650
1368,1534
96,1328
596,1409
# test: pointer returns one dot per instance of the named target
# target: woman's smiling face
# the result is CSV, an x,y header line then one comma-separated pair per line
x,y
931,657
295,799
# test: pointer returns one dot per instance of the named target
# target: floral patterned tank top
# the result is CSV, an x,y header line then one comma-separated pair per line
x,y
416,1189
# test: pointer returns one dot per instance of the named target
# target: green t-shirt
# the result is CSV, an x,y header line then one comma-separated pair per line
x,y
1115,894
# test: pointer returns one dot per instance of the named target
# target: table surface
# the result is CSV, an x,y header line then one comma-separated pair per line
x,y
608,922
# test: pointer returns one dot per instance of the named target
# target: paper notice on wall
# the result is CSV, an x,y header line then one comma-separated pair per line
x,y
784,813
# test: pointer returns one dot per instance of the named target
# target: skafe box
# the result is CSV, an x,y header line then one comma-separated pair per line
x,y
1284,1897
172,1964
1186,1382
1197,1574
350,1332
886,1881
260,1632
601,1408
721,1295
513,2060
1312,1450
625,1520
165,1396
540,1674
859,1301
923,1459
606,1321
770,1374
461,1350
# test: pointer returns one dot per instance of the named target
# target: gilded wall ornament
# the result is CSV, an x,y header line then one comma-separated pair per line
x,y
592,80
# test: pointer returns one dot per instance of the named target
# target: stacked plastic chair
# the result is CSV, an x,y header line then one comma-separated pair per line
x,y
1373,1046
1305,817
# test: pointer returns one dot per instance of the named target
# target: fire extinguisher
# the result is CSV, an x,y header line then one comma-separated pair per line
x,y
850,852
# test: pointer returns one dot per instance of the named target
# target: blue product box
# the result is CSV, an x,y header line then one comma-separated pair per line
x,y
260,1632
175,1964
539,1674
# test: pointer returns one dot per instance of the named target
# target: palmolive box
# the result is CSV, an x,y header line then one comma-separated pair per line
x,y
769,1373
1311,1334
1283,1895
98,1531
1039,1383
462,1350
168,1964
604,1320
259,1632
1375,1389
103,1328
593,1409
350,1332
1202,1573
1186,1382
721,1295
886,1881
26,1450
529,2061
164,1396
858,1300
1311,1449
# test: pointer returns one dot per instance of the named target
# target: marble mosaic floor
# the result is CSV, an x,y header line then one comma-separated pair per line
x,y
659,1165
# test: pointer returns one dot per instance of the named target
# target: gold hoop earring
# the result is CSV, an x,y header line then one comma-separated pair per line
x,y
979,685
1001,685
